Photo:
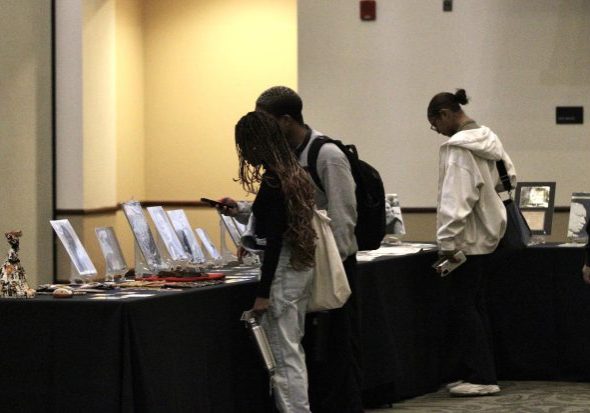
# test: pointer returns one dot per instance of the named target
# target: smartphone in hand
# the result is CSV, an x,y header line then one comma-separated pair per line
x,y
215,204
444,266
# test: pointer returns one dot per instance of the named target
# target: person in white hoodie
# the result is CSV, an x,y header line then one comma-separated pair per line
x,y
470,218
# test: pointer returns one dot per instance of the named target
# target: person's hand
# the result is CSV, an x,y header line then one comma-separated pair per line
x,y
229,208
586,273
241,253
261,305
449,255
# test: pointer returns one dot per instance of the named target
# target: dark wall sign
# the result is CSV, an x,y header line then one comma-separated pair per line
x,y
569,115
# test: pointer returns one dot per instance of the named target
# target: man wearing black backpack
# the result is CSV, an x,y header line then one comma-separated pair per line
x,y
335,371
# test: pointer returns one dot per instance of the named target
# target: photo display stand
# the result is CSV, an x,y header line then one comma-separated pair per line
x,y
178,257
148,259
536,202
82,267
395,228
187,236
225,252
234,229
243,237
579,216
115,265
216,257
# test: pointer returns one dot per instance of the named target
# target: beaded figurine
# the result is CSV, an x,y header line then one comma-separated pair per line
x,y
13,282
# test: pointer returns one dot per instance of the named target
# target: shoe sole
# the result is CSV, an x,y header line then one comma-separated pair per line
x,y
482,393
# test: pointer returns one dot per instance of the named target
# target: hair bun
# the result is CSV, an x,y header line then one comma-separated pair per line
x,y
461,96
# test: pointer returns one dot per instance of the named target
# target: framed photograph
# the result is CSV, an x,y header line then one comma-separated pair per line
x,y
74,247
235,233
143,235
536,202
111,250
579,216
394,222
206,241
186,235
167,234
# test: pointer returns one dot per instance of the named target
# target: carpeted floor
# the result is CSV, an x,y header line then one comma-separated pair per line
x,y
515,397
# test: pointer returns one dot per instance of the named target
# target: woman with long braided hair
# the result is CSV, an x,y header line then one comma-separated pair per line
x,y
283,210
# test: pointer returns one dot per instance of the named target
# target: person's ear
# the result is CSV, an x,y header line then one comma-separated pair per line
x,y
287,120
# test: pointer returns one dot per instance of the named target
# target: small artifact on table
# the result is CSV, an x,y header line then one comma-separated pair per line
x,y
13,282
63,293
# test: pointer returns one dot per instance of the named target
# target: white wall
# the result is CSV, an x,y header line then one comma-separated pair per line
x,y
369,83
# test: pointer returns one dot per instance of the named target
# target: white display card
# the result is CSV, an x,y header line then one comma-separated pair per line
x,y
167,234
579,216
206,241
186,235
114,261
232,228
394,222
143,235
74,247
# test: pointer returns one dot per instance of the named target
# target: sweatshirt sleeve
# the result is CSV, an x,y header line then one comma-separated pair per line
x,y
335,174
459,193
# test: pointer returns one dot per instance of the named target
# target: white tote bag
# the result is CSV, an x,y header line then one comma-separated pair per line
x,y
330,287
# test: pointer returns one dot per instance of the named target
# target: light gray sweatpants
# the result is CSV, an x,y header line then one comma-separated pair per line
x,y
284,325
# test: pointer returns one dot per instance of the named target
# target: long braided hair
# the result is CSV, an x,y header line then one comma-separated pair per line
x,y
261,146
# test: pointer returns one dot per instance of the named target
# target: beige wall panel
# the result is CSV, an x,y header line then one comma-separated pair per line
x,y
130,131
25,133
99,117
205,63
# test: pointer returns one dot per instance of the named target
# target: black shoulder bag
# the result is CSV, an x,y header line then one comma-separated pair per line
x,y
518,233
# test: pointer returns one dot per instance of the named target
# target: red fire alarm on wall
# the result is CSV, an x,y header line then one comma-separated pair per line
x,y
368,10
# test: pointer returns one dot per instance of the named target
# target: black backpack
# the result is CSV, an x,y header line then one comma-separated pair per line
x,y
370,194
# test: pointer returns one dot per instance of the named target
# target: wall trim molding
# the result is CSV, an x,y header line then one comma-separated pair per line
x,y
199,204
118,207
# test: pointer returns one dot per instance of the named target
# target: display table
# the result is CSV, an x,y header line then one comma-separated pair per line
x,y
187,351
539,308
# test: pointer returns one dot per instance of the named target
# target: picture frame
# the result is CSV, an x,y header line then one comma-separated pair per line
x,y
167,234
209,247
186,235
73,246
394,221
578,218
143,235
536,201
235,232
115,263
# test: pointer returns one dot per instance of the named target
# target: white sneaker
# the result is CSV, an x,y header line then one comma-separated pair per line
x,y
449,386
468,389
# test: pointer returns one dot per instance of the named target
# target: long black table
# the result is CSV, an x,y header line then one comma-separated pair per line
x,y
540,314
187,351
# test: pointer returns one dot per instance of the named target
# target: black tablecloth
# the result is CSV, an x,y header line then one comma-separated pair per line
x,y
401,327
540,313
187,351
175,352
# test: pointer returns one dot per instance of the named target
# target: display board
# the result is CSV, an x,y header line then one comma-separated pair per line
x,y
536,202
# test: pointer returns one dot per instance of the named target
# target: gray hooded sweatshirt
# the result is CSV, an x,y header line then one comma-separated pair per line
x,y
470,214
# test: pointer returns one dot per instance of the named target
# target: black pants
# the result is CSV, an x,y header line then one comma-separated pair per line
x,y
332,348
467,345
